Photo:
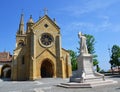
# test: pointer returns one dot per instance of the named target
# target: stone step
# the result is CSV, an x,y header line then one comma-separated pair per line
x,y
87,85
100,83
74,85
87,79
94,79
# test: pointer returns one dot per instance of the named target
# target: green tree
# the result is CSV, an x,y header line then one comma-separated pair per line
x,y
90,42
73,56
97,68
114,56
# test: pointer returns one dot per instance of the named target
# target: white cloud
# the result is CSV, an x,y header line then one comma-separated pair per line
x,y
104,25
87,6
99,23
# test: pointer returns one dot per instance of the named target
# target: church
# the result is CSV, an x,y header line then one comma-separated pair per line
x,y
38,53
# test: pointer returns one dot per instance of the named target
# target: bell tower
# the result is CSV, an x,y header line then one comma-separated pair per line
x,y
18,62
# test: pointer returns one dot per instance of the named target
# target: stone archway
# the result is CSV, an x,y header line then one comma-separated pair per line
x,y
47,69
6,71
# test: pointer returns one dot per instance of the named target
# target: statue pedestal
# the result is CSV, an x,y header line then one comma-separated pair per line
x,y
85,66
85,76
85,70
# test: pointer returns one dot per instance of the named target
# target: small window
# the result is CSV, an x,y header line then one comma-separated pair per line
x,y
23,60
46,25
21,43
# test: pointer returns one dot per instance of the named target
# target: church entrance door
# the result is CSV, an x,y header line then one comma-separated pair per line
x,y
46,69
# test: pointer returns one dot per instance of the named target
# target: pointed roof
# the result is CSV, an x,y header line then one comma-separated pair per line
x,y
30,20
46,17
21,25
22,19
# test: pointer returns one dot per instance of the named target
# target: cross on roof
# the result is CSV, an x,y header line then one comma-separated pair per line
x,y
45,11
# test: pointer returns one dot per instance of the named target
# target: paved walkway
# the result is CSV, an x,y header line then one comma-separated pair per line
x,y
49,85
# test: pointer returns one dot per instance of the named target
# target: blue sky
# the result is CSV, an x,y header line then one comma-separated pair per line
x,y
99,18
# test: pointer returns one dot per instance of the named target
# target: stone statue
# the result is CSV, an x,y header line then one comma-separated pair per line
x,y
83,46
85,76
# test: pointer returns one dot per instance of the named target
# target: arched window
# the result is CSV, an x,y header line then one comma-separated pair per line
x,y
21,43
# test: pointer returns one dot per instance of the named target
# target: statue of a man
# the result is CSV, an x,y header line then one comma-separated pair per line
x,y
83,46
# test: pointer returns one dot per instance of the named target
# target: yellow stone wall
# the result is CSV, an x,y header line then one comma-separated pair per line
x,y
35,53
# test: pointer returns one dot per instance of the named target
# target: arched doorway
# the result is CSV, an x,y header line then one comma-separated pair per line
x,y
47,69
6,71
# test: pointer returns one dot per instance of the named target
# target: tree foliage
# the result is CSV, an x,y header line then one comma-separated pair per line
x,y
90,41
97,68
73,56
115,56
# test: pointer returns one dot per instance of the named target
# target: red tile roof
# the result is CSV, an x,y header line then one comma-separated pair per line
x,y
5,57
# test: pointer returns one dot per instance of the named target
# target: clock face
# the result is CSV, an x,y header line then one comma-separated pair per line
x,y
46,39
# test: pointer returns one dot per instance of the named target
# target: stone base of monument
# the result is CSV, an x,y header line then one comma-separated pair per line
x,y
85,76
87,84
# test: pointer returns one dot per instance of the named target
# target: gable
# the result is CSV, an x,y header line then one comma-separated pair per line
x,y
65,51
46,24
46,54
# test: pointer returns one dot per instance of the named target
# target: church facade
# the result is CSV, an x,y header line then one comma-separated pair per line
x,y
38,53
